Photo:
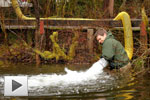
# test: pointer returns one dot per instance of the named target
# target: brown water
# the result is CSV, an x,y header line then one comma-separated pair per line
x,y
105,87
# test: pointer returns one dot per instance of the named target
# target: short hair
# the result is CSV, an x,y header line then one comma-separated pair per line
x,y
100,31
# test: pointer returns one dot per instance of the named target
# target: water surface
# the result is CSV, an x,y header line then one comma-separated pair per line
x,y
74,82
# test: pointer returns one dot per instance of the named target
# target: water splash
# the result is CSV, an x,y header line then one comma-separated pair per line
x,y
92,79
71,77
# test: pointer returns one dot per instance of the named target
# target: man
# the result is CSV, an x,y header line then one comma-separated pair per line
x,y
112,50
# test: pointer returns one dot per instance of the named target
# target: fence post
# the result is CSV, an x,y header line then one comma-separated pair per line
x,y
90,33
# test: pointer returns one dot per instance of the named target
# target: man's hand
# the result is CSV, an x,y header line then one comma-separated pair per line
x,y
103,62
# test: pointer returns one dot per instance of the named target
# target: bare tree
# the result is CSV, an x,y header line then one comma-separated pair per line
x,y
108,6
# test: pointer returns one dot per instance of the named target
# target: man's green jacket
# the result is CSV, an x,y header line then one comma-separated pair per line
x,y
114,52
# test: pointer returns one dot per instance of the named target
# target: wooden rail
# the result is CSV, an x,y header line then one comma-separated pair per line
x,y
73,24
68,24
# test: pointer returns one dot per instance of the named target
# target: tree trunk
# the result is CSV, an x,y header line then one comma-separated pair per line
x,y
105,4
37,30
111,7
108,6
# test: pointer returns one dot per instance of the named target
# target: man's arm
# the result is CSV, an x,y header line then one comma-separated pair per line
x,y
108,49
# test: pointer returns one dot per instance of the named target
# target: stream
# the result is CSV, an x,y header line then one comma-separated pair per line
x,y
59,81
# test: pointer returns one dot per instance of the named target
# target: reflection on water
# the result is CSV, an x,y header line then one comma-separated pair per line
x,y
55,82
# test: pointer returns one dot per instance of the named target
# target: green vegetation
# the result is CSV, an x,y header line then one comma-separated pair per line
x,y
57,51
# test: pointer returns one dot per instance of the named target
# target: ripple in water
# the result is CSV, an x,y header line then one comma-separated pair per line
x,y
73,82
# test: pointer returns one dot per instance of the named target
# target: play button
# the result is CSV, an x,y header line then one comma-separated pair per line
x,y
15,86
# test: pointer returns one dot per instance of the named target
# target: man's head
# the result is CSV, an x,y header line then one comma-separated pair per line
x,y
101,35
